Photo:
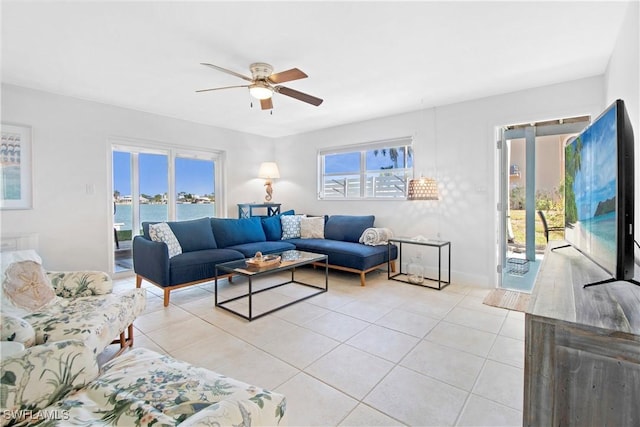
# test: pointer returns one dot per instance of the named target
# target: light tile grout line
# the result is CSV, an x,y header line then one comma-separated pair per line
x,y
344,342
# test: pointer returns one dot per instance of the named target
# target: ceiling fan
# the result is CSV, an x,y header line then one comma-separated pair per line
x,y
264,83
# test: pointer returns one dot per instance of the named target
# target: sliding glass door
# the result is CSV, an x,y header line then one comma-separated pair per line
x,y
151,184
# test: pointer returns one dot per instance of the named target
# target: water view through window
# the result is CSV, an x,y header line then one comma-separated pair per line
x,y
141,182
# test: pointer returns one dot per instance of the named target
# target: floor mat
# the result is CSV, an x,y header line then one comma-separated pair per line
x,y
511,300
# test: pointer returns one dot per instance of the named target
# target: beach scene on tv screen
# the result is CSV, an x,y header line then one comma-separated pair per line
x,y
590,191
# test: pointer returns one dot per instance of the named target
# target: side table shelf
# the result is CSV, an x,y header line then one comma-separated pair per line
x,y
401,276
245,210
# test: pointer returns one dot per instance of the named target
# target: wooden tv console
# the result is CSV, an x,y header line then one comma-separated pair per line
x,y
582,346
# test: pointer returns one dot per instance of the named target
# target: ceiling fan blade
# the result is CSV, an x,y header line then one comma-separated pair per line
x,y
266,104
298,95
287,76
224,70
220,88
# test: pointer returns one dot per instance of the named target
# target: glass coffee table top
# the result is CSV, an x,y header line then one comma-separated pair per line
x,y
250,276
288,259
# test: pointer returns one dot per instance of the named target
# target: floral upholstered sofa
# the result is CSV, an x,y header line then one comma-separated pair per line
x,y
57,384
40,307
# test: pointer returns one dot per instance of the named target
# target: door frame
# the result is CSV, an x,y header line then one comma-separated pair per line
x,y
530,131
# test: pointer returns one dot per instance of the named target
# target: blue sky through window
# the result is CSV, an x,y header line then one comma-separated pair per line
x,y
350,162
192,175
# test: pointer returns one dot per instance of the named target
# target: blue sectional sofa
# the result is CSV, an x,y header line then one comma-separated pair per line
x,y
206,242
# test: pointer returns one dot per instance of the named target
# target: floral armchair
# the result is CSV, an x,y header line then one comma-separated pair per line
x,y
57,384
59,306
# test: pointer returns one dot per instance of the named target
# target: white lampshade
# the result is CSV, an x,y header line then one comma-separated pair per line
x,y
260,90
269,170
423,189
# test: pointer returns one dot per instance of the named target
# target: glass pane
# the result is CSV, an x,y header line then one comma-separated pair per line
x,y
342,163
387,184
154,180
517,195
341,186
389,158
122,191
195,183
122,214
384,175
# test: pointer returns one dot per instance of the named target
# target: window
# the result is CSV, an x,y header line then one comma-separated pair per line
x,y
195,183
156,183
375,170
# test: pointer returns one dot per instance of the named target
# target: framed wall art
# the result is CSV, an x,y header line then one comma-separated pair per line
x,y
15,168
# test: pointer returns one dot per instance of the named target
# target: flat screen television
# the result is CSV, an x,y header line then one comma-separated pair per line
x,y
599,192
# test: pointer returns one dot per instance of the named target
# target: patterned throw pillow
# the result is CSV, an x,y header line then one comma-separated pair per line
x,y
26,288
312,228
291,226
161,232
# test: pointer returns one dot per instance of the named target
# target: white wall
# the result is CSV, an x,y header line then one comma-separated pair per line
x,y
455,143
71,150
623,82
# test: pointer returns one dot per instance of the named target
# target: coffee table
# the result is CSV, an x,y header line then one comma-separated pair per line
x,y
290,260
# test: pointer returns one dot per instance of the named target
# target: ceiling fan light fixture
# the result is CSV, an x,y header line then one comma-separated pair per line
x,y
260,90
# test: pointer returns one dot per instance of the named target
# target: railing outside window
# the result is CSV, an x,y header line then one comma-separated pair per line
x,y
375,170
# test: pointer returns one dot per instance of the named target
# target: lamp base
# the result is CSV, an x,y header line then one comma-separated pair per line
x,y
269,189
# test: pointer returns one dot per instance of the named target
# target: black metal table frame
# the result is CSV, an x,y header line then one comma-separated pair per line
x,y
258,274
434,244
245,210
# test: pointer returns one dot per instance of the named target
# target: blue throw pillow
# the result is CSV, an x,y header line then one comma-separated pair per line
x,y
347,228
194,235
272,226
231,232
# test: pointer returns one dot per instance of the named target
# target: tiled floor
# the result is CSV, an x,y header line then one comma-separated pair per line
x,y
382,355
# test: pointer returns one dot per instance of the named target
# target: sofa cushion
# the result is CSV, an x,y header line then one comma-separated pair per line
x,y
198,265
291,226
347,254
194,235
71,284
312,227
27,287
230,232
144,388
249,249
95,320
347,228
161,232
272,226
16,329
40,376
10,259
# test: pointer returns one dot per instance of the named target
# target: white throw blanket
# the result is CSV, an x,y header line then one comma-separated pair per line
x,y
376,236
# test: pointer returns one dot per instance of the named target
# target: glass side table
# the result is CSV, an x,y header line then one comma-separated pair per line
x,y
401,276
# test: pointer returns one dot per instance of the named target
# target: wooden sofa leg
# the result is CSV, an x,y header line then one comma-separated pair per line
x,y
138,280
130,333
125,341
362,278
393,266
166,297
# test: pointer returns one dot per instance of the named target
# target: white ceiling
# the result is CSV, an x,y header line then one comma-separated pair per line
x,y
365,59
